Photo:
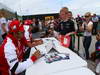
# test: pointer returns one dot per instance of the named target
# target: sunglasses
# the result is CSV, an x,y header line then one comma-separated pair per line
x,y
87,16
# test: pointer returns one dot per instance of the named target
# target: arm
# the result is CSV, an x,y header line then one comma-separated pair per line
x,y
33,43
27,40
29,44
81,28
89,27
15,65
3,27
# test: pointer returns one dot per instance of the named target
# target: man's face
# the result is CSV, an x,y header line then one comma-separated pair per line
x,y
69,15
34,20
20,35
63,15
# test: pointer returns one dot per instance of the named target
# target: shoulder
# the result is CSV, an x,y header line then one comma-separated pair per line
x,y
9,45
90,23
70,21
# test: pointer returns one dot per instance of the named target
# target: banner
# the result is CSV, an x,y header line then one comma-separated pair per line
x,y
65,40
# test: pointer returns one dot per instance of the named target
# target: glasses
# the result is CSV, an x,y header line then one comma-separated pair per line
x,y
87,16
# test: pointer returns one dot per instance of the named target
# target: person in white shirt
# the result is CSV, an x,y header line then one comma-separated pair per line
x,y
95,20
87,29
3,26
28,34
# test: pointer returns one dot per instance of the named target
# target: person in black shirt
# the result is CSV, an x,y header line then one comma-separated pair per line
x,y
66,25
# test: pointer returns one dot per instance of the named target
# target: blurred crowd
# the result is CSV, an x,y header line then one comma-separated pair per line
x,y
52,23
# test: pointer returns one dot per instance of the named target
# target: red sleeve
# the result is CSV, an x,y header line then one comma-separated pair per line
x,y
33,58
24,41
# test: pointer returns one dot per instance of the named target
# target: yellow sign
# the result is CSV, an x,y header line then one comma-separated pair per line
x,y
49,17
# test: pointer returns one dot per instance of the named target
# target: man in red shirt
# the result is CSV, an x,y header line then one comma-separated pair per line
x,y
28,35
11,52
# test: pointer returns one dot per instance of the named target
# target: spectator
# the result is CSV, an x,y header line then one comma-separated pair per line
x,y
3,26
48,33
51,24
64,9
56,25
28,34
79,22
34,20
97,46
70,15
35,25
98,27
27,40
66,26
95,20
40,25
87,29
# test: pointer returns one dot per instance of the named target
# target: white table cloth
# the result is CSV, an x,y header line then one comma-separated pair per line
x,y
78,71
74,64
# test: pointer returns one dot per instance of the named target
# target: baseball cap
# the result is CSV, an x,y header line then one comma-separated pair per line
x,y
15,26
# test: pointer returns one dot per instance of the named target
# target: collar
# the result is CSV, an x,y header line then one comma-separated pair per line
x,y
64,20
14,39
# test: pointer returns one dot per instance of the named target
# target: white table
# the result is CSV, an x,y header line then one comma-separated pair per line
x,y
77,71
59,67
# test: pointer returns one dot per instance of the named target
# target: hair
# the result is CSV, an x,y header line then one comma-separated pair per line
x,y
69,12
64,9
94,14
88,14
98,36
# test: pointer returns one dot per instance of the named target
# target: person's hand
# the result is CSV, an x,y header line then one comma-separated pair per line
x,y
68,34
37,42
37,54
40,42
81,28
34,44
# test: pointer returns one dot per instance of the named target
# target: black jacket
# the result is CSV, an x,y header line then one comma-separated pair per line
x,y
66,27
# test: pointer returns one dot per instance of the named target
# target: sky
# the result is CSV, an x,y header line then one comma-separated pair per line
x,y
29,7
